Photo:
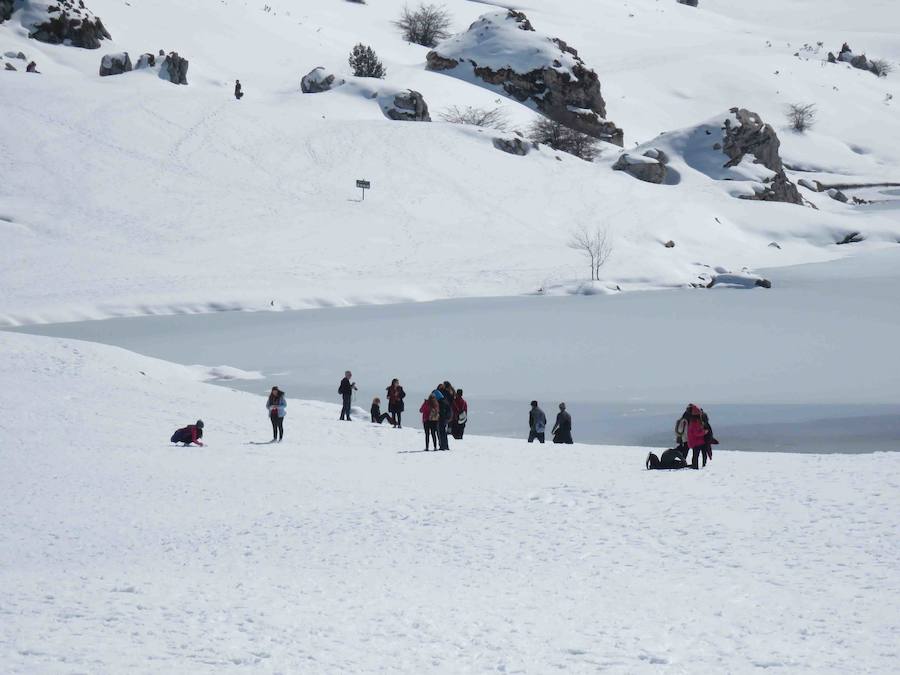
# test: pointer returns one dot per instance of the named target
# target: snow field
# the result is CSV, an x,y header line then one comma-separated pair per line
x,y
345,550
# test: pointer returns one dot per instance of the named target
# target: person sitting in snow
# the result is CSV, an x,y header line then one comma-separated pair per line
x,y
379,417
192,433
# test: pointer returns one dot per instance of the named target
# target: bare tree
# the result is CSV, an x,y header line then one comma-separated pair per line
x,y
801,116
594,244
426,25
493,118
880,67
560,137
364,62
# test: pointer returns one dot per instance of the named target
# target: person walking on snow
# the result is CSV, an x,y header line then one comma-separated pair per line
x,y
562,430
277,407
395,396
537,423
238,93
460,415
192,433
346,390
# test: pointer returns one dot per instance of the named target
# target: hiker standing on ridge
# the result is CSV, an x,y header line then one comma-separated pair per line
x,y
346,390
537,423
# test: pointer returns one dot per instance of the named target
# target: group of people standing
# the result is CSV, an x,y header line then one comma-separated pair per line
x,y
693,433
444,414
537,425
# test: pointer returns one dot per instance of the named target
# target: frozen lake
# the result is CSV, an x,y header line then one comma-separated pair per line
x,y
807,366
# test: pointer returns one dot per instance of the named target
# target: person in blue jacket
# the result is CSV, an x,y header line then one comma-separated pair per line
x,y
277,407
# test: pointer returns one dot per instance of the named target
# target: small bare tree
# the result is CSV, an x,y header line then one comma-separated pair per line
x,y
426,25
560,137
880,67
801,116
493,118
594,244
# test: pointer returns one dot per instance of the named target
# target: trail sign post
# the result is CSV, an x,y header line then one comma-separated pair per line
x,y
364,185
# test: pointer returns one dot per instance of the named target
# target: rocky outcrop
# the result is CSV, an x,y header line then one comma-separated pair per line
x,y
6,10
837,195
746,134
859,61
406,106
174,69
318,80
115,64
67,22
514,145
503,50
649,167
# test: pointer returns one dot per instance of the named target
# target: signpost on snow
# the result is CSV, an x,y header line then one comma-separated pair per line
x,y
364,185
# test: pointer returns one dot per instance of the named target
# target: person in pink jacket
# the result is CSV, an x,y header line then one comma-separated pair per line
x,y
696,435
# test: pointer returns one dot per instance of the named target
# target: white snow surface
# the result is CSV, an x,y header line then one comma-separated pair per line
x,y
126,195
344,550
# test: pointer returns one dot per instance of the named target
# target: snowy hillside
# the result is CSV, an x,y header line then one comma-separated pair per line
x,y
345,550
127,194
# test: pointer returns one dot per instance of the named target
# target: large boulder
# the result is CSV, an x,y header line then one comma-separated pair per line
x,y
115,64
174,69
513,146
649,167
744,133
318,80
67,22
407,106
145,60
502,50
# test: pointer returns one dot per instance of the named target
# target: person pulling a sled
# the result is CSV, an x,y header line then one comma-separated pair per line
x,y
192,433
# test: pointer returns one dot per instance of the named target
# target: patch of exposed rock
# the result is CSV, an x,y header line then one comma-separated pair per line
x,y
318,80
503,50
746,134
514,145
6,10
67,22
406,106
859,61
174,68
649,167
115,64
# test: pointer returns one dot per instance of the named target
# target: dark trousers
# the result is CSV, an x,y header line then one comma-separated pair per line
x,y
381,418
277,427
695,456
345,409
398,416
431,432
442,434
534,434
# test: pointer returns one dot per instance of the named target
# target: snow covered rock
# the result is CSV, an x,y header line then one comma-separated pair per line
x,y
859,61
146,60
6,10
9,66
174,69
649,167
744,133
318,80
808,184
837,195
115,64
67,22
514,146
406,106
502,50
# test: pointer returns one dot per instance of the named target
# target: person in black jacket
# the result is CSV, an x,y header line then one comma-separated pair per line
x,y
238,92
562,430
346,390
395,396
445,407
537,423
379,417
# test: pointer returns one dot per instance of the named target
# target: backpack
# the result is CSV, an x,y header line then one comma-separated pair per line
x,y
652,461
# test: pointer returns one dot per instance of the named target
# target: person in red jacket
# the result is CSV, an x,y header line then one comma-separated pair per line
x,y
430,416
696,435
192,433
460,415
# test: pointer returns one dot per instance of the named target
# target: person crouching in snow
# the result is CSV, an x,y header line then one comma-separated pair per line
x,y
192,433
277,407
696,435
379,417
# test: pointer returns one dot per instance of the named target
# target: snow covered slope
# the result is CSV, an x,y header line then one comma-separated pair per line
x,y
127,194
345,550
